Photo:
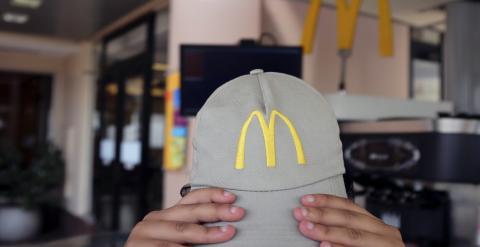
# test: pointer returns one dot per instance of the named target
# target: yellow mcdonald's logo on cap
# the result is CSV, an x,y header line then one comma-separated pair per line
x,y
268,132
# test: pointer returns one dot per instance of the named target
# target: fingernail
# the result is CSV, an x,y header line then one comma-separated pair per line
x,y
223,228
309,198
234,209
227,194
310,225
325,244
304,211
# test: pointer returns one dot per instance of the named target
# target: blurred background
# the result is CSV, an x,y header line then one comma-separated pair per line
x,y
98,102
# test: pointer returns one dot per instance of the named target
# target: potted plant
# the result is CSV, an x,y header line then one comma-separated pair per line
x,y
25,187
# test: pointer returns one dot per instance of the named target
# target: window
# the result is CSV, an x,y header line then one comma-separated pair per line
x,y
426,65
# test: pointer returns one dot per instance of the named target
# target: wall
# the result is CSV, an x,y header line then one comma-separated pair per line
x,y
367,74
79,92
222,22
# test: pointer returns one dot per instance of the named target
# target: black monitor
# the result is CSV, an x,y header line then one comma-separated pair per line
x,y
203,68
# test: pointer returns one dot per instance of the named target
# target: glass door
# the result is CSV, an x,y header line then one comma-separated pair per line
x,y
122,167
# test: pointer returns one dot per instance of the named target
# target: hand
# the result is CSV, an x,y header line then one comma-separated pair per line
x,y
338,222
181,224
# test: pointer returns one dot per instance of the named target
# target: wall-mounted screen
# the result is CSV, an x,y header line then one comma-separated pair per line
x,y
203,68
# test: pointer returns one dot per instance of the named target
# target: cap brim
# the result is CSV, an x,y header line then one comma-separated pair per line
x,y
269,220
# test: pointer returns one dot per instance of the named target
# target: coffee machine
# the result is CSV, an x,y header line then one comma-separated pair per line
x,y
395,161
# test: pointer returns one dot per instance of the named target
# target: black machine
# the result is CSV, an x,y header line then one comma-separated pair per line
x,y
422,216
434,150
394,160
203,68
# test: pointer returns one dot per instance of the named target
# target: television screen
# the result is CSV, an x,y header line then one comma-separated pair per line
x,y
203,68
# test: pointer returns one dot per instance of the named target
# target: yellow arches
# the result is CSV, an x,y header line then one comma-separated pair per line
x,y
268,132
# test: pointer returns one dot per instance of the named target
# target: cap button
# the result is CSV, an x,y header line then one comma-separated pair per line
x,y
256,71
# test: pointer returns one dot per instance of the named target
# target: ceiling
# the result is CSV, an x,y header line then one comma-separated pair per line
x,y
66,19
79,19
417,13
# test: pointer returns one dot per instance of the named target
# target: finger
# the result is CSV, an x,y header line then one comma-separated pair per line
x,y
345,218
196,213
346,236
183,233
207,195
151,243
328,244
329,201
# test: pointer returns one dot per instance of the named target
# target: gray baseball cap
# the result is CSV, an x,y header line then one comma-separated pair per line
x,y
269,138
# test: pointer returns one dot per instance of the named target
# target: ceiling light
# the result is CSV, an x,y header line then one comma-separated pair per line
x,y
33,4
15,18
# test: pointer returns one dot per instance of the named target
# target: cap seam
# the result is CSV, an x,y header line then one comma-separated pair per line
x,y
262,90
339,172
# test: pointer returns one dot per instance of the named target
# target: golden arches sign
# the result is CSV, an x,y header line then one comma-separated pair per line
x,y
268,132
347,13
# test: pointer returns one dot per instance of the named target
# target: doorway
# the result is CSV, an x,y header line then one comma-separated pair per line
x,y
24,110
127,180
